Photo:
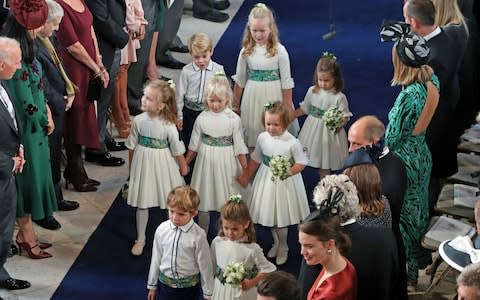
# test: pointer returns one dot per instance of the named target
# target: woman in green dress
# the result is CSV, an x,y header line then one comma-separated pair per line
x,y
405,134
35,192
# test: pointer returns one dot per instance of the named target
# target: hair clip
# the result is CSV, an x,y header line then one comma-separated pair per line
x,y
171,84
267,106
328,208
260,4
330,55
235,198
220,74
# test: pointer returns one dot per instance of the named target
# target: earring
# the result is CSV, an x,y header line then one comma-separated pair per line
x,y
329,251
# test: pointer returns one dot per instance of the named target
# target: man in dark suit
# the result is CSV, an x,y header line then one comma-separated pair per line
x,y
109,25
11,159
445,58
59,98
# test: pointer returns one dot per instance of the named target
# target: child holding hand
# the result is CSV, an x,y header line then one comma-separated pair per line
x,y
277,201
217,142
155,155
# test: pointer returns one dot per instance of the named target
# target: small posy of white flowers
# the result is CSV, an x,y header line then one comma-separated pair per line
x,y
333,118
235,273
280,166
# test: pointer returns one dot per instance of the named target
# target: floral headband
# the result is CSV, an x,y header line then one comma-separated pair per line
x,y
220,74
412,49
259,4
235,198
329,55
267,106
171,84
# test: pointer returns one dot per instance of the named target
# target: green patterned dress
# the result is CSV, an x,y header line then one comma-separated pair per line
x,y
414,152
35,191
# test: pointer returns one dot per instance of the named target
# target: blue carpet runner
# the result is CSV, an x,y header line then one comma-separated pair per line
x,y
106,270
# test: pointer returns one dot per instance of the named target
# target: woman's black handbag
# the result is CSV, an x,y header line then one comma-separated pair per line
x,y
94,88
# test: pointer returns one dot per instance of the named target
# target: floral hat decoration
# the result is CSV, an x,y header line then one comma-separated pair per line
x,y
412,49
267,106
328,207
329,55
171,84
235,198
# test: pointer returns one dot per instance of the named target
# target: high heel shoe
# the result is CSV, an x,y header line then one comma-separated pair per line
x,y
26,246
41,245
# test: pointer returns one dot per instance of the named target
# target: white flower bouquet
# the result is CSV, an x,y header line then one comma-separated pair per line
x,y
280,166
235,273
333,118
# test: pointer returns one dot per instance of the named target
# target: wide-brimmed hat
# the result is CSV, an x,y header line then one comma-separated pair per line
x,y
31,14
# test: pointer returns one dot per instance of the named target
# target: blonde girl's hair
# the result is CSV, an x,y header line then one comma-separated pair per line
x,y
219,86
261,11
369,187
277,108
200,42
165,92
405,75
237,211
329,65
447,12
184,197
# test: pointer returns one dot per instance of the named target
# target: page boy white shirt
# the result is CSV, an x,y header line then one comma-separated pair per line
x,y
192,83
179,252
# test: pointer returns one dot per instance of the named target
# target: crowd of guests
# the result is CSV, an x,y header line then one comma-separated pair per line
x,y
242,141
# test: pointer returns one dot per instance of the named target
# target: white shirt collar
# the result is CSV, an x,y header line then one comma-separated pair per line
x,y
183,228
433,34
208,68
348,222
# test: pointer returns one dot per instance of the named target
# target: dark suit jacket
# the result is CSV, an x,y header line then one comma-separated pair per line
x,y
109,23
54,84
441,132
374,256
8,199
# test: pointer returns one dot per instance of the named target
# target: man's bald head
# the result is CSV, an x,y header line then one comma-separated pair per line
x,y
365,131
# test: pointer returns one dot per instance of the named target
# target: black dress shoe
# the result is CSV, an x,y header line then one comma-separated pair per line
x,y
13,250
115,146
14,284
181,49
104,159
221,4
172,63
48,223
212,15
66,205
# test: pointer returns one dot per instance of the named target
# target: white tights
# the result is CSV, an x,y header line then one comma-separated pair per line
x,y
142,220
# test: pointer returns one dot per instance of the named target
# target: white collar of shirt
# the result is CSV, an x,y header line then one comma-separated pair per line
x,y
433,34
348,222
184,228
384,152
208,68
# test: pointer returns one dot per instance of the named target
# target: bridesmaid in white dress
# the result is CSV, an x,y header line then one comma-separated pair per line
x,y
155,155
217,141
235,243
277,203
263,73
327,148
